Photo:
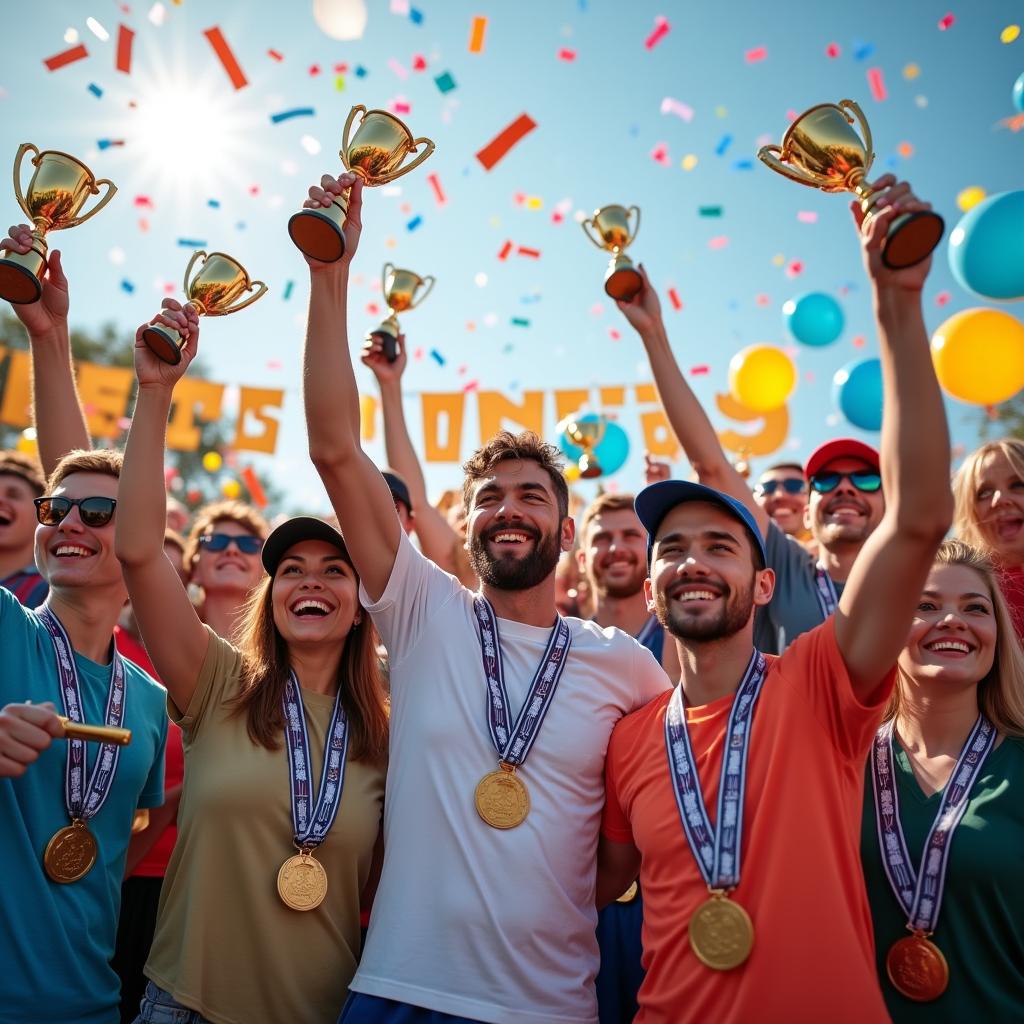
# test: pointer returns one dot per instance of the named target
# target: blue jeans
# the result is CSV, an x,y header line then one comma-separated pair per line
x,y
363,1009
160,1007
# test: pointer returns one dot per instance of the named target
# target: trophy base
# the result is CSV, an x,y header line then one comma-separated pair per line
x,y
589,467
387,335
623,281
911,239
164,342
20,275
318,234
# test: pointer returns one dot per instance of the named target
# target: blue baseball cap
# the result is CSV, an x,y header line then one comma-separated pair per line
x,y
655,502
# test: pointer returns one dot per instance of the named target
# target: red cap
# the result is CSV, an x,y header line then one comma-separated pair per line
x,y
840,448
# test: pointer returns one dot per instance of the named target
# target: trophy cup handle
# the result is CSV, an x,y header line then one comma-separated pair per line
x,y
388,268
22,150
854,109
590,221
261,289
111,189
766,154
414,163
636,230
188,269
431,279
345,132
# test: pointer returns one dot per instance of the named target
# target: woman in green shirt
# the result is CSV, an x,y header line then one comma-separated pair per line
x,y
285,741
943,829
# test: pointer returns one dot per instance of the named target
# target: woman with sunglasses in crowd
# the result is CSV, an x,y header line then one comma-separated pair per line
x,y
285,746
989,492
943,828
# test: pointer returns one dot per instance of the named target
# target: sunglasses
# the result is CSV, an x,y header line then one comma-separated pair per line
x,y
864,480
92,511
246,542
791,485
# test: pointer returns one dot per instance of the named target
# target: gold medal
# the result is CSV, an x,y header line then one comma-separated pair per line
x,y
917,968
501,798
70,853
629,895
721,933
302,882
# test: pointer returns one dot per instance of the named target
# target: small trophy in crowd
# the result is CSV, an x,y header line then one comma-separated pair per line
x,y
57,192
622,280
822,150
212,292
376,152
401,292
586,432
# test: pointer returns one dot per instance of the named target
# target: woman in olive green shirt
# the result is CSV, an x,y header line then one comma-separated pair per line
x,y
943,828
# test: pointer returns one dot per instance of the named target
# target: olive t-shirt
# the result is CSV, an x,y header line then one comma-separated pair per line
x,y
225,944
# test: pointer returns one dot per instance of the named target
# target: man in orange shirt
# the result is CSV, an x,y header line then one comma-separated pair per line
x,y
738,795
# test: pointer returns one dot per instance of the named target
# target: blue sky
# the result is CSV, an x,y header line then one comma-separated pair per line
x,y
192,138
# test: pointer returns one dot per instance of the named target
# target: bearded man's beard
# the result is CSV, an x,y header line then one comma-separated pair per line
x,y
511,571
733,615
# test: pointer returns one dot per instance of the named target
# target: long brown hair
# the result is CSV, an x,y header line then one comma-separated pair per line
x,y
265,673
1001,692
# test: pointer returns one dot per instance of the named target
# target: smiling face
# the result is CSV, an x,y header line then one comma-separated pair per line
x,y
515,531
703,585
953,637
613,553
17,514
845,515
785,508
315,594
999,507
230,570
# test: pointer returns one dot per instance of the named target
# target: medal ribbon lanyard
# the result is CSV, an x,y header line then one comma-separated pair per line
x,y
828,600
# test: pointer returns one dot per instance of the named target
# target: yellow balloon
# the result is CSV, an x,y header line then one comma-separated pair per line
x,y
979,356
761,377
27,442
970,197
571,473
212,462
231,489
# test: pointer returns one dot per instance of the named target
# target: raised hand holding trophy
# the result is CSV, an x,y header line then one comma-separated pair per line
x,y
400,289
622,280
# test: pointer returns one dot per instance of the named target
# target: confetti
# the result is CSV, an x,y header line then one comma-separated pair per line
x,y
360,71
191,243
723,144
437,357
567,55
444,82
414,223
519,321
861,51
107,143
946,21
969,197
226,57
400,105
905,150
125,38
435,184
710,211
718,242
689,162
613,334
661,29
143,202
673,297
794,269
523,250
400,7
758,53
398,68
476,35
505,140
942,298
252,483
419,62
274,55
660,154
288,291
832,50
62,59
503,253
677,107
339,83
127,286
700,371
314,70
743,164
877,84
95,90
287,115
807,216
310,144
97,29
1009,34
415,16
156,15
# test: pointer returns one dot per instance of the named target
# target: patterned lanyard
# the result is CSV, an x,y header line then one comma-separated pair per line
x,y
82,799
827,598
920,896
717,850
311,824
514,745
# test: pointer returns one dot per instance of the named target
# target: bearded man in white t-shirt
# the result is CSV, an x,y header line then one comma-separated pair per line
x,y
500,719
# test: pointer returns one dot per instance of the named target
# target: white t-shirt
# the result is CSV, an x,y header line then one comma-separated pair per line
x,y
493,925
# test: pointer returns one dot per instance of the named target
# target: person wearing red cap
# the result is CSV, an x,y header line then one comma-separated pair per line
x,y
845,501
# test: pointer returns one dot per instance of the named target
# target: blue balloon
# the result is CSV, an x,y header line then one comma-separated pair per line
x,y
814,319
1018,93
612,450
857,391
986,249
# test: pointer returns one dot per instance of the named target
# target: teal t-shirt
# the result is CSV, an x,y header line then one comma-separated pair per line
x,y
56,940
981,922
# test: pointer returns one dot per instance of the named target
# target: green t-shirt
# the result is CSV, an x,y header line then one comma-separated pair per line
x,y
981,922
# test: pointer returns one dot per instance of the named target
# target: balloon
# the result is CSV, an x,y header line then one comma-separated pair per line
x,y
27,443
979,356
761,377
340,19
986,249
212,462
571,473
231,489
969,197
857,391
814,318
611,451
1018,93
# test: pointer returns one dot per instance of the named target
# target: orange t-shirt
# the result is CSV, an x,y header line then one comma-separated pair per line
x,y
801,881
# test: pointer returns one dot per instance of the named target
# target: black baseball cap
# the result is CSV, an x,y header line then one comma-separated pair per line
x,y
292,532
398,487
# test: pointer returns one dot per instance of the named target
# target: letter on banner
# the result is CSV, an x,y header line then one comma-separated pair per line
x,y
103,392
765,439
434,406
195,402
570,400
495,408
659,438
256,401
16,409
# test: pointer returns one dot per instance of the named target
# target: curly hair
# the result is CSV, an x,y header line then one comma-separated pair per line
x,y
527,446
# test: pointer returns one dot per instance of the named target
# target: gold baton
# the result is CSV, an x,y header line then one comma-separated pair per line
x,y
98,733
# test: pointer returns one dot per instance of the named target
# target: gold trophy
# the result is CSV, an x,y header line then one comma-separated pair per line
x,y
585,432
822,150
400,289
58,190
375,153
220,281
622,280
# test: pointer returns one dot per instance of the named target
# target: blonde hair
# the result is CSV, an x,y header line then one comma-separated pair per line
x,y
966,524
1001,692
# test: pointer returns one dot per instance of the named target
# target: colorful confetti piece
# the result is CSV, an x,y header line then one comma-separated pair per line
x,y
660,154
127,286
437,357
505,140
191,243
861,51
95,90
710,211
758,53
832,50
275,55
444,82
395,65
107,143
876,83
946,22
661,29
125,38
435,184
477,32
677,107
66,57
505,250
226,57
287,115
567,55
414,223
524,250
688,162
1009,34
718,242
723,144
700,371
673,297
519,321
911,71
807,216
287,294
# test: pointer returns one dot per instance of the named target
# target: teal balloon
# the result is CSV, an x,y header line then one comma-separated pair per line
x,y
612,451
857,393
986,249
814,319
1018,93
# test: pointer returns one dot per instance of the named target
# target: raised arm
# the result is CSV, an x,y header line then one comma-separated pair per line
x,y
682,407
175,638
359,494
885,583
60,423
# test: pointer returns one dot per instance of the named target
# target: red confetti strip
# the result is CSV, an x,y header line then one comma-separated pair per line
x,y
419,62
877,84
505,250
435,184
274,55
700,371
314,70
946,21
144,202
505,140
942,298
256,492
471,386
661,29
125,37
758,53
567,55
226,57
832,50
613,334
523,250
673,297
60,60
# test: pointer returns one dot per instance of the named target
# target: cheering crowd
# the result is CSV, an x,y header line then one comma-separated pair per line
x,y
713,754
